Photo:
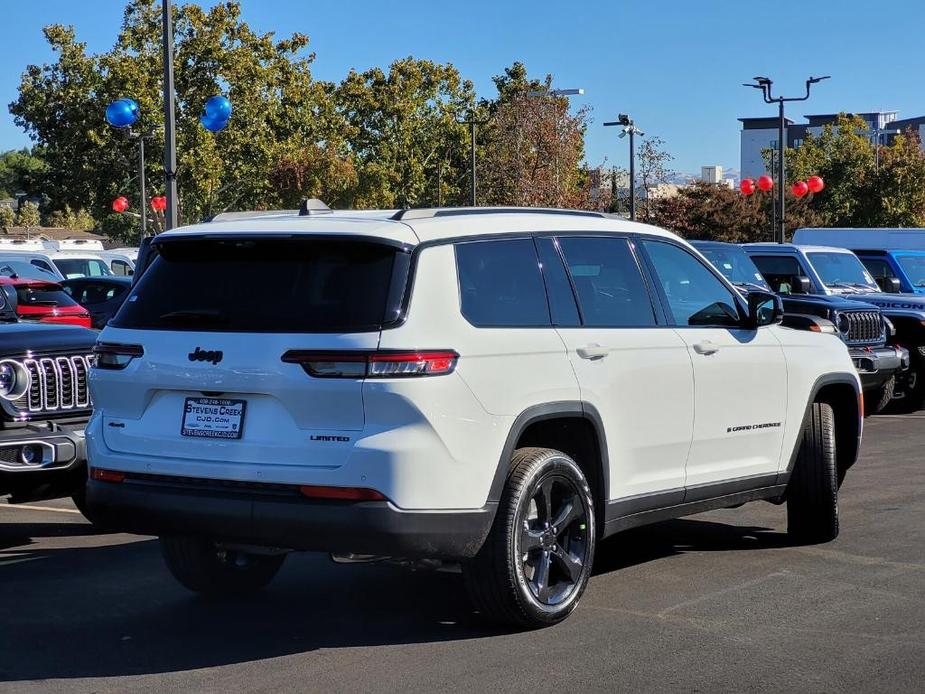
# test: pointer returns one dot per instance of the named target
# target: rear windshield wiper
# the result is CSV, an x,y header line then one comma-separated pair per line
x,y
194,316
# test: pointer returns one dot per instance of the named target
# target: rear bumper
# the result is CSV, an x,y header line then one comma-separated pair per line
x,y
284,519
876,365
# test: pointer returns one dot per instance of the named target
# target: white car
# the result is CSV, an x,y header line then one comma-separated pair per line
x,y
499,388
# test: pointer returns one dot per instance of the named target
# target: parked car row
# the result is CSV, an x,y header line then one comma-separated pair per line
x,y
885,333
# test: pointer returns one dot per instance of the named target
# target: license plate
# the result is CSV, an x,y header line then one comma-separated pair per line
x,y
213,418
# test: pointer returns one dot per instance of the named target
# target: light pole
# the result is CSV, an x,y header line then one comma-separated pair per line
x,y
876,134
764,84
629,128
123,114
170,139
554,93
472,123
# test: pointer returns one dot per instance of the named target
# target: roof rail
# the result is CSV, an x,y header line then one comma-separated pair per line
x,y
249,214
311,206
430,212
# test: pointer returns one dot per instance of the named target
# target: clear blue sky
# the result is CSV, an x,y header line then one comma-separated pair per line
x,y
674,65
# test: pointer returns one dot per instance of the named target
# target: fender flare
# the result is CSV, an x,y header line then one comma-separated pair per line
x,y
539,413
835,378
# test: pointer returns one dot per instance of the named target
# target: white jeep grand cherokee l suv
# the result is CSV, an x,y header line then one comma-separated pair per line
x,y
500,388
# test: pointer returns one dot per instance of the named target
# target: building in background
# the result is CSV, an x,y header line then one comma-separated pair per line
x,y
759,134
714,174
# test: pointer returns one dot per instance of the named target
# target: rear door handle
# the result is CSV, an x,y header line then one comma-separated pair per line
x,y
706,347
592,351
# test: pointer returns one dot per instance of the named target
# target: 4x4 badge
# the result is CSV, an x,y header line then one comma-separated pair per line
x,y
213,356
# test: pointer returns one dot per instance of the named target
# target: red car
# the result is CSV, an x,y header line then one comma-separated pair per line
x,y
45,301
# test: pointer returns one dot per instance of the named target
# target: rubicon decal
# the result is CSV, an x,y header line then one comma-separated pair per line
x,y
211,356
752,427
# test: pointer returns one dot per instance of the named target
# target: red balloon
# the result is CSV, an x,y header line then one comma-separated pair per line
x,y
799,189
765,183
747,186
120,204
815,183
159,203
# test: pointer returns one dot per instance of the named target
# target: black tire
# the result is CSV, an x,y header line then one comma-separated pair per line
x,y
80,501
910,389
505,581
880,397
812,493
203,567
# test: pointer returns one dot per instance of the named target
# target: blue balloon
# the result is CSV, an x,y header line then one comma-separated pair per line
x,y
218,108
211,124
122,113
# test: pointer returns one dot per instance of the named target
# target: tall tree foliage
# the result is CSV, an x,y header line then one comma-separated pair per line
x,y
862,188
281,113
533,146
402,127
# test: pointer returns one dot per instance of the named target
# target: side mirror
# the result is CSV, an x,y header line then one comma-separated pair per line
x,y
764,308
890,285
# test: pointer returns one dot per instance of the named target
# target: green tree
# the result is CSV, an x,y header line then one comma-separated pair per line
x,y
533,146
713,212
69,219
28,215
842,154
20,172
7,217
402,126
653,161
900,183
280,112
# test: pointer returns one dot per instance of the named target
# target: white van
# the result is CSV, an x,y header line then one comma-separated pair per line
x,y
38,258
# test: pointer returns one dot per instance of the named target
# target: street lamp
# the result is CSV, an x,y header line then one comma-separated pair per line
x,y
764,84
472,123
629,128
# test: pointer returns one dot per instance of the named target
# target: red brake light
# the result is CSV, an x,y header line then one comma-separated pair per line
x,y
113,356
102,475
381,364
341,493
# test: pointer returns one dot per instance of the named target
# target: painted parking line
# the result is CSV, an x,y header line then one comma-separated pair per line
x,y
27,507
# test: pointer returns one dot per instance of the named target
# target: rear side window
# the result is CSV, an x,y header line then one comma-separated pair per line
x,y
562,305
49,295
268,285
82,267
780,271
611,290
120,267
500,284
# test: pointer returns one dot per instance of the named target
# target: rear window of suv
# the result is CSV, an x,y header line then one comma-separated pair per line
x,y
268,285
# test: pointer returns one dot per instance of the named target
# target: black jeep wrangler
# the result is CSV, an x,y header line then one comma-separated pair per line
x,y
44,404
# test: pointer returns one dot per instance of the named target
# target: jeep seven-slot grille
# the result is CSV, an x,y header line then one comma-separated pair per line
x,y
59,384
864,326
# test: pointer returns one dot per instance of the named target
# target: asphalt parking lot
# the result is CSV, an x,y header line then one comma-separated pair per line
x,y
714,602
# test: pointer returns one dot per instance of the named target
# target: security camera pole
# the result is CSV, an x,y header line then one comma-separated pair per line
x,y
764,84
629,128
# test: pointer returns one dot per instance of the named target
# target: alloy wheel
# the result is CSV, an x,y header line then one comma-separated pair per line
x,y
553,542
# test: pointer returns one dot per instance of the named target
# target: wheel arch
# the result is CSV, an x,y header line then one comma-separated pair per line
x,y
571,426
841,392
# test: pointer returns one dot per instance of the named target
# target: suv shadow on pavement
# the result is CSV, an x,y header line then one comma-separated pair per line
x,y
121,614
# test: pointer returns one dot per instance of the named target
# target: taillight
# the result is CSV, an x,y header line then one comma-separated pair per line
x,y
102,475
114,357
381,364
341,493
